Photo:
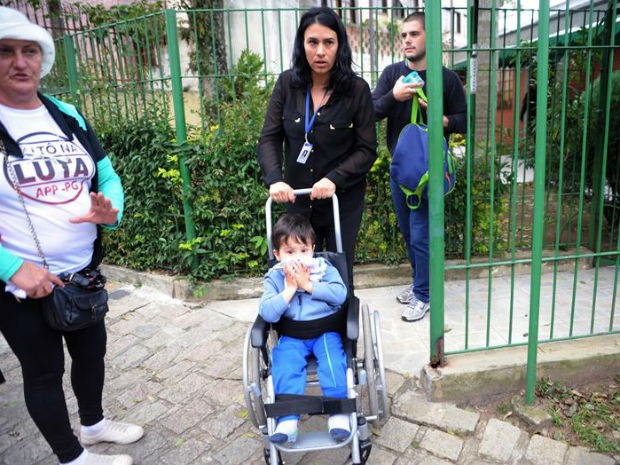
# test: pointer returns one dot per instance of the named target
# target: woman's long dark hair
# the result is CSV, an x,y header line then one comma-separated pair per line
x,y
342,73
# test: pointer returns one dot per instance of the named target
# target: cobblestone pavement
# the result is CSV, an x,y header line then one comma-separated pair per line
x,y
175,367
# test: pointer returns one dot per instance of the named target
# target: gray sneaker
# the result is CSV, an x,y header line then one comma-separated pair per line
x,y
415,310
406,296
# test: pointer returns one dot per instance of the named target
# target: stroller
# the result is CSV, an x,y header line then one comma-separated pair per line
x,y
367,398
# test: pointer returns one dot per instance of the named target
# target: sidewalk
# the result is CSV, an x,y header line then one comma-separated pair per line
x,y
174,366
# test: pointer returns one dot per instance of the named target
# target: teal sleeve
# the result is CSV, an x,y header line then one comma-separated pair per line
x,y
110,186
9,264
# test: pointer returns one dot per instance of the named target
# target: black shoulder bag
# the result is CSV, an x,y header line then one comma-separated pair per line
x,y
83,301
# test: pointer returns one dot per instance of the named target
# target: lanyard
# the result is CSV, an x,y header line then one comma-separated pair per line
x,y
309,124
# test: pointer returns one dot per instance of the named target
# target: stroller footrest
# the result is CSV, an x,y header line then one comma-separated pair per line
x,y
312,440
291,404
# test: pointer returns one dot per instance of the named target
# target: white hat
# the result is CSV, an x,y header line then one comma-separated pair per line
x,y
15,25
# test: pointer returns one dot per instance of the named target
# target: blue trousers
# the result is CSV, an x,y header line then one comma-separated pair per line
x,y
290,358
413,225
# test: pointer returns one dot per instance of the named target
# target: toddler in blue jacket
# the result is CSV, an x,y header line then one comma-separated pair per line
x,y
301,287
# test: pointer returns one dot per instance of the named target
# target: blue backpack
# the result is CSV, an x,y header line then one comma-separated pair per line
x,y
409,166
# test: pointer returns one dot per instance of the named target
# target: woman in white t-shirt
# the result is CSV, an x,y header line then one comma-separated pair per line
x,y
54,168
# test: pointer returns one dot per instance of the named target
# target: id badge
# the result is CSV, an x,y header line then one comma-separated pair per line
x,y
304,153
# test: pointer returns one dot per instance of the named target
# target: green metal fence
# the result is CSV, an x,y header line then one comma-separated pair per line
x,y
538,174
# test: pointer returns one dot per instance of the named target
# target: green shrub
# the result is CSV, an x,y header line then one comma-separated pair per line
x,y
145,157
483,225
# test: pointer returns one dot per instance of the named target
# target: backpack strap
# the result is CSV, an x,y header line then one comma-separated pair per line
x,y
416,110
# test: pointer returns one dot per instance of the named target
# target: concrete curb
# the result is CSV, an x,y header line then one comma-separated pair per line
x,y
476,376
366,277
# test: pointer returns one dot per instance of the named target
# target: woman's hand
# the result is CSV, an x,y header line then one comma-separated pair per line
x,y
35,280
101,211
281,192
323,189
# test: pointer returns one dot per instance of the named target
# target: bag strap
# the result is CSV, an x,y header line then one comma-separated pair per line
x,y
416,110
13,176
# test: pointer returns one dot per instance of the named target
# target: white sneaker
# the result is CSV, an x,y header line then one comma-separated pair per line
x,y
113,431
406,296
415,310
96,459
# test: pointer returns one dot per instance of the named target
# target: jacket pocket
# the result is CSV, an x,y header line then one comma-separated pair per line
x,y
335,125
293,124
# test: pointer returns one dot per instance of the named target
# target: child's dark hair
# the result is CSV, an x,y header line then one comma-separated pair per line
x,y
292,226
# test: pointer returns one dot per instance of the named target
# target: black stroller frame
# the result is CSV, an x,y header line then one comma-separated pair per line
x,y
364,374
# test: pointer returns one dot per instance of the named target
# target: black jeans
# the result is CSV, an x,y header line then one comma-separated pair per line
x,y
40,352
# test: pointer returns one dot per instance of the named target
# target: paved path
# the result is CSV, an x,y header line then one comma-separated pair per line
x,y
175,367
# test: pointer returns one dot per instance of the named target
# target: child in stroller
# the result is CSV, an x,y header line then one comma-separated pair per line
x,y
303,288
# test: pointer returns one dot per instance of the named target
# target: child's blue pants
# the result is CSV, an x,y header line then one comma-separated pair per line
x,y
290,360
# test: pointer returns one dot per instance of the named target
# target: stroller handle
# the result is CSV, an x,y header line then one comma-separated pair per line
x,y
305,191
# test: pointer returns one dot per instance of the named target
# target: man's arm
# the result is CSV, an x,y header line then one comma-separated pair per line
x,y
382,96
455,104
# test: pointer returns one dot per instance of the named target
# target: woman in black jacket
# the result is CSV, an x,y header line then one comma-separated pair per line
x,y
319,132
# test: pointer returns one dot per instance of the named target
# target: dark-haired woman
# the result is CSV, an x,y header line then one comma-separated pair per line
x,y
319,132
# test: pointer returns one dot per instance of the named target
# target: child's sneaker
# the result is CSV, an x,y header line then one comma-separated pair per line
x,y
286,431
113,431
339,428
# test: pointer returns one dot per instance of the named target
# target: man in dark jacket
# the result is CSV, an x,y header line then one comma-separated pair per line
x,y
392,98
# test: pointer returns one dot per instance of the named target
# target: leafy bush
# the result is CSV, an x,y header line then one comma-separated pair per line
x,y
482,224
146,158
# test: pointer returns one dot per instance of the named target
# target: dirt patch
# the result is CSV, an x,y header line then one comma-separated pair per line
x,y
587,416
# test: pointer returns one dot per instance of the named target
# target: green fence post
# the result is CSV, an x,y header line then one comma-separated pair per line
x,y
179,118
67,41
435,187
539,195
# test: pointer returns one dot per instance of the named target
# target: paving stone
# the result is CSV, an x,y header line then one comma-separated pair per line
x,y
238,450
187,387
457,420
413,407
185,452
149,412
380,456
186,417
333,456
172,371
545,451
119,345
396,434
222,423
442,444
416,456
131,357
31,450
582,456
202,352
499,440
